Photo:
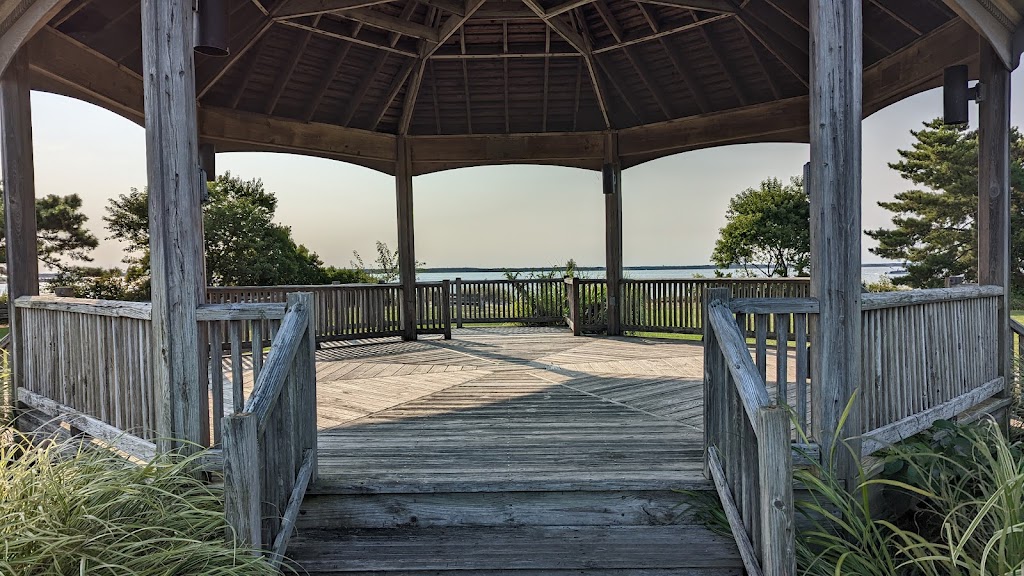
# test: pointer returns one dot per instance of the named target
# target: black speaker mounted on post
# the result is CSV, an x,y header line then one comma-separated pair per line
x,y
956,94
211,28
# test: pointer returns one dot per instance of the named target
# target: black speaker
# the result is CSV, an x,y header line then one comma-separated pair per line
x,y
955,95
211,28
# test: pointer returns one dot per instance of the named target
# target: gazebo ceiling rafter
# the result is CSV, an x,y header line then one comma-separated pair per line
x,y
652,71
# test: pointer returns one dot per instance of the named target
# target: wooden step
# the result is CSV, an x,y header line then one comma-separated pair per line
x,y
583,508
681,550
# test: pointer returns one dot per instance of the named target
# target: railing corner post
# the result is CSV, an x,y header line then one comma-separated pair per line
x,y
775,464
446,308
574,308
242,477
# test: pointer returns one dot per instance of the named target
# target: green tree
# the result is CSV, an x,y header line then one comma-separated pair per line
x,y
934,227
767,230
388,268
62,236
243,244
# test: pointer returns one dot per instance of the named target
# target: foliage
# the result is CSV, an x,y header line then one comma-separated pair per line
x,y
243,244
104,284
61,231
883,284
332,274
69,510
955,492
767,230
934,227
388,266
543,303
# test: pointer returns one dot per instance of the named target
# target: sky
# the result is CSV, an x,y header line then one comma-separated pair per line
x,y
500,216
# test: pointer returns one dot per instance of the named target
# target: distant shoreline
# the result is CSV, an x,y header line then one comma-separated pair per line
x,y
444,270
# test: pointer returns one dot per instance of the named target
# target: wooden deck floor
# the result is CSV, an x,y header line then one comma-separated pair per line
x,y
510,409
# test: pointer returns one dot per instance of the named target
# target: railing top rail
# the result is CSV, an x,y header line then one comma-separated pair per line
x,y
516,281
774,305
114,308
241,311
800,280
878,300
1017,327
752,390
300,287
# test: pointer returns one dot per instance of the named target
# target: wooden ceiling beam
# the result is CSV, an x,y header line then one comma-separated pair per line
x,y
576,40
298,49
645,11
505,11
609,20
724,64
349,38
450,26
664,102
433,90
567,6
623,94
300,8
793,59
208,73
504,64
68,12
327,79
360,94
247,72
776,90
383,21
393,89
686,73
662,33
892,11
718,6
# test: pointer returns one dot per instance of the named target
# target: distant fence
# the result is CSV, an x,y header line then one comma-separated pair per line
x,y
355,311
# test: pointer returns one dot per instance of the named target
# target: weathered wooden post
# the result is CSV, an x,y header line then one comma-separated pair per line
x,y
176,243
835,135
242,492
458,302
406,238
612,179
19,205
446,308
994,196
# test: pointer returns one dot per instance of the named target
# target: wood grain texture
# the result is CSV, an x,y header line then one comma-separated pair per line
x,y
176,253
19,203
406,236
242,492
837,79
612,184
994,196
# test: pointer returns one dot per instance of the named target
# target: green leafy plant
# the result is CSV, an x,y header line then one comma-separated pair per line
x,y
70,509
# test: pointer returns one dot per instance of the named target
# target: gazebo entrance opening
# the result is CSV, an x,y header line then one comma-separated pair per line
x,y
418,86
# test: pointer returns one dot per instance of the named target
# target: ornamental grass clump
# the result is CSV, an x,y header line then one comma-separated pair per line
x,y
68,509
955,498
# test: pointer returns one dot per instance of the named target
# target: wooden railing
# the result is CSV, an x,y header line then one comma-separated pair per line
x,y
530,301
748,443
86,362
927,355
269,445
353,311
781,334
586,305
677,305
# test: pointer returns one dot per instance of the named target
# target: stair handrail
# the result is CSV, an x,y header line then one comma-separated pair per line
x,y
749,449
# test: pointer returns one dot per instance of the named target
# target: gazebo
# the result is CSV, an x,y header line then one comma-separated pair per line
x,y
410,87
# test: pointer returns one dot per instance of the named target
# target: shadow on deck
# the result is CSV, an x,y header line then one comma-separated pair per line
x,y
509,449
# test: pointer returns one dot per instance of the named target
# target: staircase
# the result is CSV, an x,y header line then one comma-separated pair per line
x,y
482,529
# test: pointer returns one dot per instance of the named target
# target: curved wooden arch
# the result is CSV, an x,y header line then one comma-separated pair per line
x,y
62,65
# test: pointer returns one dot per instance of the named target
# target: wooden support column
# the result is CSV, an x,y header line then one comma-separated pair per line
x,y
994,193
836,109
612,175
406,238
19,199
176,242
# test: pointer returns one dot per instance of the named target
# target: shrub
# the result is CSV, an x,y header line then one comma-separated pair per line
x,y
65,510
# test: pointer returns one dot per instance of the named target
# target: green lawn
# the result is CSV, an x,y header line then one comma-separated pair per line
x,y
1017,315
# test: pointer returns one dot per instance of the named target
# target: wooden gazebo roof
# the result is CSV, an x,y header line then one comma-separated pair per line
x,y
473,82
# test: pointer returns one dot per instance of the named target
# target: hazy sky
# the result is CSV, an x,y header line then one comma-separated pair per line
x,y
489,216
